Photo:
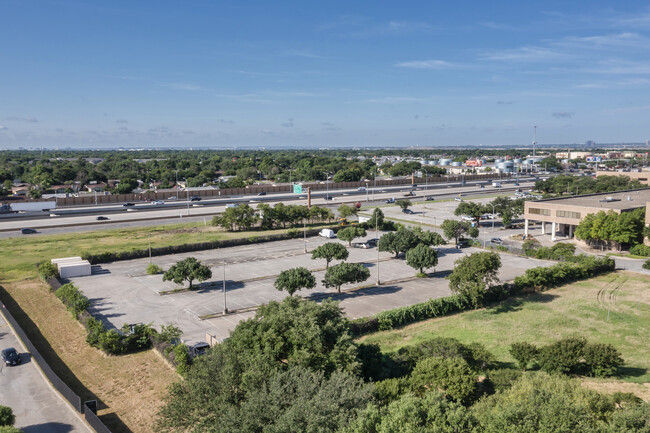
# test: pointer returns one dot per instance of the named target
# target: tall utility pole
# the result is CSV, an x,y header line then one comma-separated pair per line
x,y
149,248
225,308
377,236
535,140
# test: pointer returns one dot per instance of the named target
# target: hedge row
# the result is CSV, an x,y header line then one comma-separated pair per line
x,y
107,257
534,279
75,301
640,250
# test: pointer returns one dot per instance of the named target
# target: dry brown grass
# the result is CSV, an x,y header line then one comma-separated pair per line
x,y
129,388
641,390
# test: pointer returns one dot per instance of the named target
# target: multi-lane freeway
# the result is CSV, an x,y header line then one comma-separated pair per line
x,y
144,213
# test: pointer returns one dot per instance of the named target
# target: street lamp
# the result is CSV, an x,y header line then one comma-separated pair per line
x,y
225,308
304,234
426,180
377,236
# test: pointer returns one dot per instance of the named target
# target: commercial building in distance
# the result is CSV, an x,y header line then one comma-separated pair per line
x,y
564,214
641,176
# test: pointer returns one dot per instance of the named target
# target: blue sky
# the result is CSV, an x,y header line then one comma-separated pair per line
x,y
322,74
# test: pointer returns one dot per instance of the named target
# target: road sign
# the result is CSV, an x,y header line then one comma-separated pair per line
x,y
297,189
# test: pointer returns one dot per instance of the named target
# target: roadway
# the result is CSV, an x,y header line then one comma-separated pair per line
x,y
118,216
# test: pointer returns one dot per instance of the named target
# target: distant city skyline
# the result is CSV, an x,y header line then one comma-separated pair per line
x,y
334,74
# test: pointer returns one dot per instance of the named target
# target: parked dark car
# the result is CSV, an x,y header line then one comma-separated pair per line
x,y
261,193
463,243
10,356
195,198
372,242
128,204
28,231
407,211
497,241
101,218
199,349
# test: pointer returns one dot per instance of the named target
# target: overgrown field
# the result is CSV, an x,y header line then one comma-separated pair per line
x,y
578,309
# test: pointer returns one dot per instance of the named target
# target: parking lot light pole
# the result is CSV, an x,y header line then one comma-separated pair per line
x,y
366,191
225,308
149,248
493,215
377,236
304,233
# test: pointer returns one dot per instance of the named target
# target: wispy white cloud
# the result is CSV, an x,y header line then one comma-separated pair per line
x,y
427,64
394,99
563,115
183,86
303,53
525,54
29,119
357,26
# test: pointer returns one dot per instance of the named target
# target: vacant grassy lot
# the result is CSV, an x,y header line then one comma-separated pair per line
x,y
129,388
576,309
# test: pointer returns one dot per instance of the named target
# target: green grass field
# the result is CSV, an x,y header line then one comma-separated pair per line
x,y
576,309
19,255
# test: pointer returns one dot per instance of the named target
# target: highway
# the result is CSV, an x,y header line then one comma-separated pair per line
x,y
65,220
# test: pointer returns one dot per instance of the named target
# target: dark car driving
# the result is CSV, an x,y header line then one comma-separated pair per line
x,y
128,204
195,198
28,231
10,356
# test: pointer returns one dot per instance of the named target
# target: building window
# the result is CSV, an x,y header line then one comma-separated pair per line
x,y
536,211
567,214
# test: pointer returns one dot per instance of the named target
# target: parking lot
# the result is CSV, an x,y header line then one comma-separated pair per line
x,y
37,407
122,292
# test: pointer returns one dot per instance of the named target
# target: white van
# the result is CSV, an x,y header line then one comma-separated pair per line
x,y
327,233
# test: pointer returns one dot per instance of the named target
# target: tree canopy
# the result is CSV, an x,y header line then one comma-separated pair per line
x,y
456,230
350,233
421,257
473,275
188,269
330,251
345,273
295,279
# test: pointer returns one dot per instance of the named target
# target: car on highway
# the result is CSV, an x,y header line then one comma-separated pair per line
x,y
128,204
28,231
390,201
458,199
157,202
429,198
497,241
195,198
481,186
407,211
261,193
327,233
10,356
101,218
409,194
328,197
172,198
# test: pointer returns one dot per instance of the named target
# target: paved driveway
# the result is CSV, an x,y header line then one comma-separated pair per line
x,y
122,292
37,407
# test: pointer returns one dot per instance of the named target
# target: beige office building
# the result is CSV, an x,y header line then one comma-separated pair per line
x,y
564,214
641,176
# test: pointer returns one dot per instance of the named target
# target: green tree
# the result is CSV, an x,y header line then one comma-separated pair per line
x,y
421,257
398,242
330,251
126,186
456,230
452,376
345,273
239,217
404,203
429,238
295,279
350,233
7,416
473,275
377,219
602,359
563,356
470,209
346,211
188,269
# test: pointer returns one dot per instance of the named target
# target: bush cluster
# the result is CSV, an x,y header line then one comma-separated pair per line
x,y
640,250
540,278
646,265
131,338
569,356
74,301
561,251
154,269
48,270
108,257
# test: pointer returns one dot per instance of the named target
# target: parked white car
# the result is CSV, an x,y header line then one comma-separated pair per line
x,y
327,233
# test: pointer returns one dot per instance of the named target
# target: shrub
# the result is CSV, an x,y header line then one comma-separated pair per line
x,y
182,359
524,353
452,376
111,342
563,356
503,378
646,265
154,269
169,334
640,250
601,360
73,299
293,233
7,416
94,328
136,337
389,390
47,270
9,429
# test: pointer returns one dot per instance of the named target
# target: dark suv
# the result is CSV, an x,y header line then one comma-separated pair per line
x,y
10,356
195,198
